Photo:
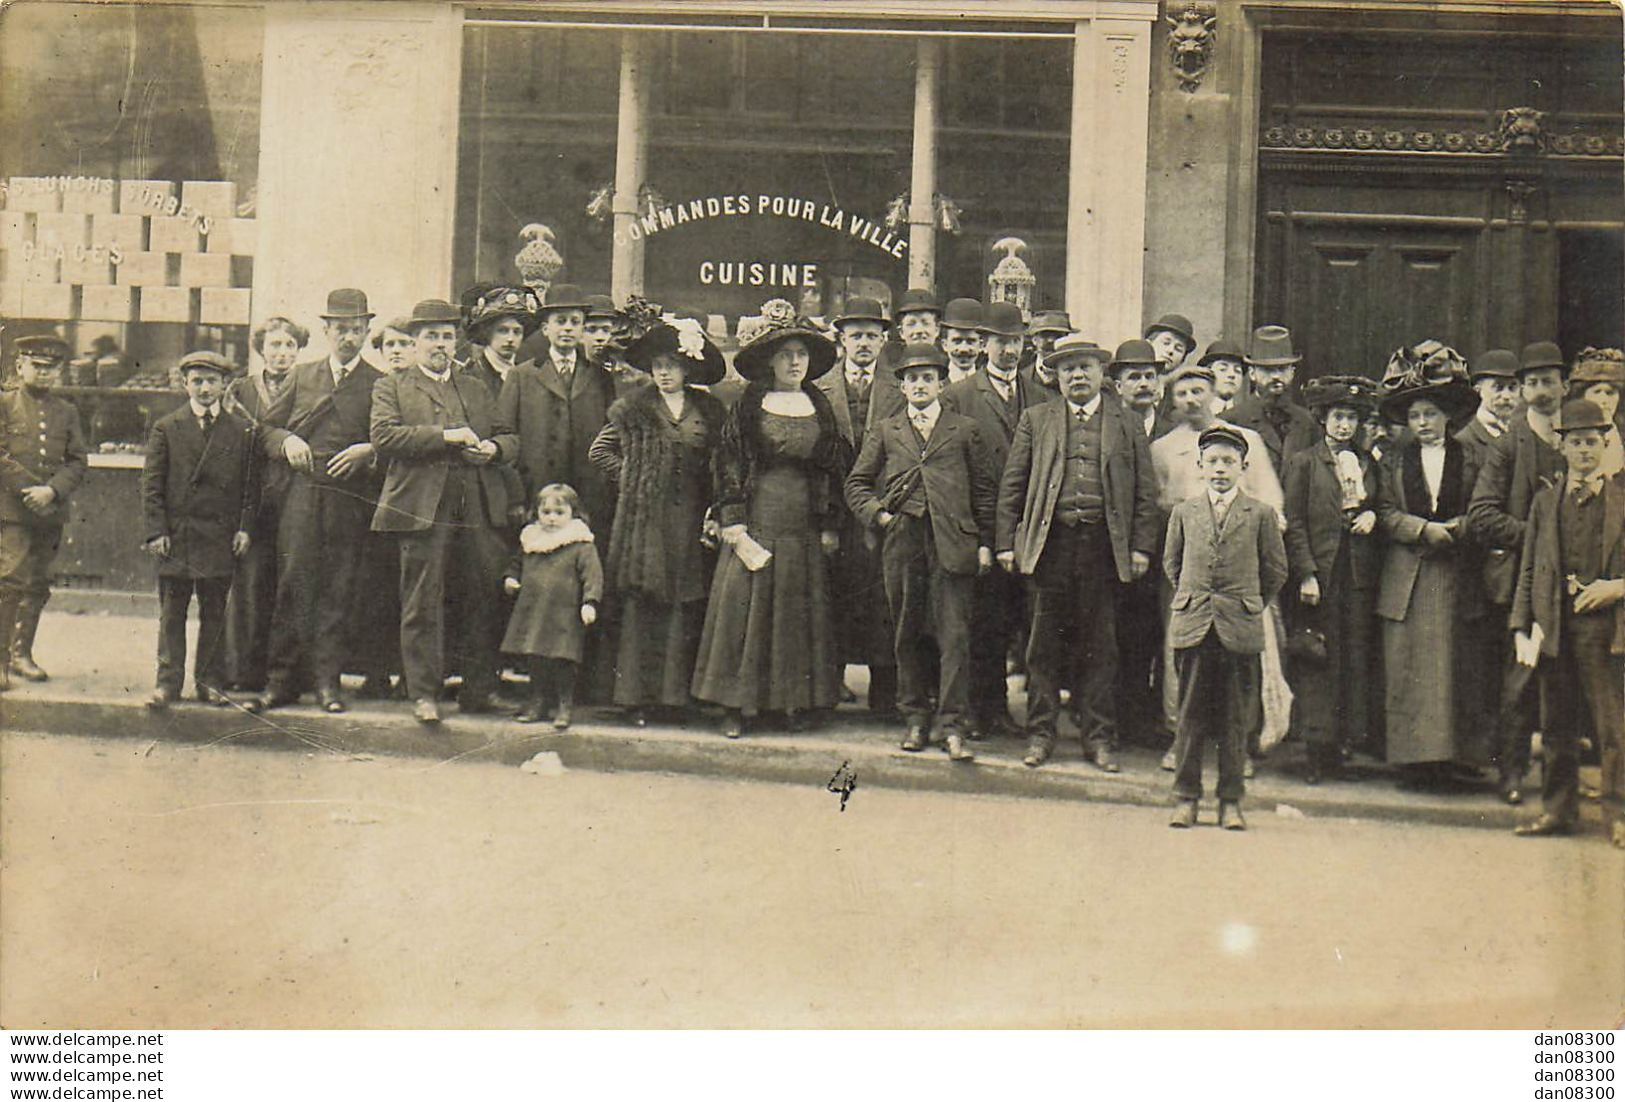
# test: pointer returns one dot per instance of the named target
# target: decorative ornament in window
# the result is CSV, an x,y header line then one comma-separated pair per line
x,y
538,262
1012,280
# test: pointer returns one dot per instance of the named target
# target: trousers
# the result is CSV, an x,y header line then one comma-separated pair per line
x,y
174,599
1074,633
931,615
1218,703
26,554
1582,689
321,544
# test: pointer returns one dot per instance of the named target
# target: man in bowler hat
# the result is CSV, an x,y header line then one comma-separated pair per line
x,y
1569,618
1173,338
446,503
42,461
1495,376
1077,518
1521,462
962,321
319,425
199,494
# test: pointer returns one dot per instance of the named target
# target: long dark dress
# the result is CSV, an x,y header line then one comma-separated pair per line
x,y
658,568
769,639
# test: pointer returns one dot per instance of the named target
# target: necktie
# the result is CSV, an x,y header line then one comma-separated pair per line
x,y
1221,509
923,424
1583,492
208,421
860,383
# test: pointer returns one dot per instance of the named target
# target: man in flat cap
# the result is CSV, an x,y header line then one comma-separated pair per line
x,y
1520,463
446,502
1077,519
319,426
42,461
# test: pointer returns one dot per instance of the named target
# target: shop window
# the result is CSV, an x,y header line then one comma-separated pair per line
x,y
130,163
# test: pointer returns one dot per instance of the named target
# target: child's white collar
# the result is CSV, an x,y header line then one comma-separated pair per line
x,y
534,540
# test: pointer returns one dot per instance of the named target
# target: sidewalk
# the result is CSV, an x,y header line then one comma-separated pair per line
x,y
101,667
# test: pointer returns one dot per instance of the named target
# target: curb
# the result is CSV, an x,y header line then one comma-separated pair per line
x,y
803,759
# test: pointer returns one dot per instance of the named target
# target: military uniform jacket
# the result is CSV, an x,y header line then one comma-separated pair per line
x,y
1222,577
200,491
41,444
960,485
409,419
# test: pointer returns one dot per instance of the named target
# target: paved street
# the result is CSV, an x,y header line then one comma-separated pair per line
x,y
190,886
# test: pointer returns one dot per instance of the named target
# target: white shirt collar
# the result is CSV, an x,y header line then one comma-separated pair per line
x,y
928,414
199,411
1087,409
335,367
1149,419
564,360
1492,424
1225,500
1592,481
439,378
856,372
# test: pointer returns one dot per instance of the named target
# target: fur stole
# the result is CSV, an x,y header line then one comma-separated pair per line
x,y
534,540
740,454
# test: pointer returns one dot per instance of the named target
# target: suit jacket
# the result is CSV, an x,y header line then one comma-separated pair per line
x,y
478,367
975,397
1302,428
545,430
1223,578
1477,439
1316,527
1031,483
1403,510
327,419
200,491
833,384
408,419
1542,595
41,444
953,466
1517,466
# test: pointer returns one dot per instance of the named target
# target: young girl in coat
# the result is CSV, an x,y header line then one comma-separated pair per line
x,y
559,580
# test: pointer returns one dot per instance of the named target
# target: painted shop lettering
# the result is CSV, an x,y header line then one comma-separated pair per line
x,y
650,222
758,273
52,250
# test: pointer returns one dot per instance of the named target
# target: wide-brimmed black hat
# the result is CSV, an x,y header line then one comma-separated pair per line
x,y
920,354
1354,391
42,345
917,300
1271,347
1223,349
963,313
1497,363
1135,353
860,308
1456,398
486,303
433,311
212,361
346,302
1177,324
1581,413
564,296
1074,346
1539,354
702,360
761,337
1003,319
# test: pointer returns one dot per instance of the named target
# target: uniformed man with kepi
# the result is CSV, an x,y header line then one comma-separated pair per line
x,y
42,461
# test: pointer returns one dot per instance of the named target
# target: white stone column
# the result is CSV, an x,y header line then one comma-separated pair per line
x,y
922,207
1105,239
358,154
631,167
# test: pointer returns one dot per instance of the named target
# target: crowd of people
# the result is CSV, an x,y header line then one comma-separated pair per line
x,y
1427,567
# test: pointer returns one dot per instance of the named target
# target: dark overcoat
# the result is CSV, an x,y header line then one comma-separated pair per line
x,y
553,585
200,491
1316,528
409,418
546,430
1516,467
1302,428
1542,592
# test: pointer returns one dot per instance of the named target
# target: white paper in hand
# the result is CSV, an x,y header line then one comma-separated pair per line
x,y
751,553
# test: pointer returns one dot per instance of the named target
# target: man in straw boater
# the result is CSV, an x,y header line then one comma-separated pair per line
x,y
1077,518
1568,616
319,424
42,461
995,396
446,502
199,495
1521,462
924,482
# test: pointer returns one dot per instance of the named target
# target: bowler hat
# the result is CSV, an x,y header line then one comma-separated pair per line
x,y
211,361
1271,347
1598,365
1455,397
1355,391
433,311
860,308
1539,354
1497,363
1177,324
920,354
1222,349
962,313
917,300
564,296
1581,413
1075,346
1188,371
43,345
346,302
1135,353
1222,434
1003,319
701,359
777,324
1050,321
602,306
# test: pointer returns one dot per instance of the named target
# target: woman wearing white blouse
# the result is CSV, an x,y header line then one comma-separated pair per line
x,y
1429,598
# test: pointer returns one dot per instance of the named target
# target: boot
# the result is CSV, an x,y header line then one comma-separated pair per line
x,y
22,643
561,718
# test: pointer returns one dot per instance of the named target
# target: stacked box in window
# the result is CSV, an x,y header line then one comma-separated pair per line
x,y
125,232
111,303
174,235
225,306
66,230
89,195
143,196
143,269
166,304
31,194
14,230
53,301
215,199
87,267
234,236
11,298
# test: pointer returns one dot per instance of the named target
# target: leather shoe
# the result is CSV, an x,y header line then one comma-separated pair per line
x,y
425,710
26,668
1038,752
1169,762
916,739
561,718
1511,793
161,699
957,750
1106,759
1544,826
277,698
1230,816
1184,815
1248,769
733,726
330,701
533,712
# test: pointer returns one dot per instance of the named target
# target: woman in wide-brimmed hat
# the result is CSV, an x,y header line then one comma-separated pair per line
x,y
656,446
1430,597
1599,376
769,639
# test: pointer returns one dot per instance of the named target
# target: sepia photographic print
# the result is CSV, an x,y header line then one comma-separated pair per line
x,y
812,514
